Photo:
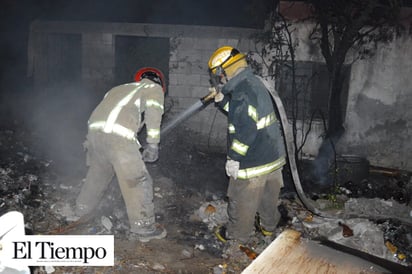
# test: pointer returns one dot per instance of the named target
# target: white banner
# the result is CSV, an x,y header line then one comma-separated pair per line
x,y
57,250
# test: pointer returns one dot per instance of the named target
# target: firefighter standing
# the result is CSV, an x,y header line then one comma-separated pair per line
x,y
113,149
256,152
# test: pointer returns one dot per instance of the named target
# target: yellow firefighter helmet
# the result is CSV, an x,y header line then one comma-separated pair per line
x,y
223,58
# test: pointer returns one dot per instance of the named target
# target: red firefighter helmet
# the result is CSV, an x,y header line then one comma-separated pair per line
x,y
153,74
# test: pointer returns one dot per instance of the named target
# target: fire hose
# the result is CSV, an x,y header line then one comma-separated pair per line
x,y
204,101
290,151
289,148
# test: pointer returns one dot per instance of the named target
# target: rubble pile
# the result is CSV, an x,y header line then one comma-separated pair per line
x,y
377,209
22,187
189,193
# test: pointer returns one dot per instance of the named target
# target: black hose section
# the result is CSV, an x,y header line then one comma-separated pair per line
x,y
393,267
290,151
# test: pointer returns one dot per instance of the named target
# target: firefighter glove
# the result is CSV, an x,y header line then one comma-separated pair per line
x,y
150,153
232,168
219,96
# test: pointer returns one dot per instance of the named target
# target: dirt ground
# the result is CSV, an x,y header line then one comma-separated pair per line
x,y
42,168
185,178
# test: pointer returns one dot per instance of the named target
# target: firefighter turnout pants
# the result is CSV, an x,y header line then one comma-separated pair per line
x,y
109,155
247,197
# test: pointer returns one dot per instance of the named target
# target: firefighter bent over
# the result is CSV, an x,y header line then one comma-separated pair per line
x,y
256,152
113,149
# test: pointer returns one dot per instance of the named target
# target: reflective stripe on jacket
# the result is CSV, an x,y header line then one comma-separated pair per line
x,y
121,110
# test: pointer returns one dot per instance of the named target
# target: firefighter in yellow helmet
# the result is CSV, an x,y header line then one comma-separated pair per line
x,y
256,151
113,149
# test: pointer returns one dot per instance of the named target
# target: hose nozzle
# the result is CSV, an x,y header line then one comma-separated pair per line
x,y
209,96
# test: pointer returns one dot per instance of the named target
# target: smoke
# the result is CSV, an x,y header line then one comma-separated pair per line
x,y
58,122
52,121
58,115
323,165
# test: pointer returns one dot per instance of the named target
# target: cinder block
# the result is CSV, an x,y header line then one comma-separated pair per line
x,y
180,91
228,42
172,79
199,68
206,53
181,68
188,79
205,44
186,43
107,38
189,55
173,56
205,79
199,91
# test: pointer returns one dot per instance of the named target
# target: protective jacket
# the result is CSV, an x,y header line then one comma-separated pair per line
x,y
113,149
120,112
254,136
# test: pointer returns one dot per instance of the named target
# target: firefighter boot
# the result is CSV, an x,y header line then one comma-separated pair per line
x,y
155,231
220,233
261,229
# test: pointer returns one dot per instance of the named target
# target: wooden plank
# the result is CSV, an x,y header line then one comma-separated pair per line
x,y
289,254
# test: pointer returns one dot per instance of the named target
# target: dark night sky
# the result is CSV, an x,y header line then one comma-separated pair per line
x,y
242,13
16,16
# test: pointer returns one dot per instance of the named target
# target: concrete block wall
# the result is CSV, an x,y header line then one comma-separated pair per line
x,y
189,81
98,60
190,50
377,123
378,114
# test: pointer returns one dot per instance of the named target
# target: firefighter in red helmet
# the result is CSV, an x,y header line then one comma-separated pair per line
x,y
113,149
